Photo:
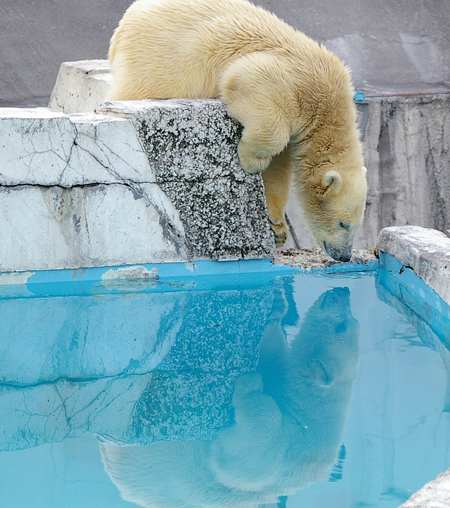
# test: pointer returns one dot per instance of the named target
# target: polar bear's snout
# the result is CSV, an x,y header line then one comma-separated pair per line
x,y
343,255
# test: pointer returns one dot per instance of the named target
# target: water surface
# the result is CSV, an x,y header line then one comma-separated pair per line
x,y
299,391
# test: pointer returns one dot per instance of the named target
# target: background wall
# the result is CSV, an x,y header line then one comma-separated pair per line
x,y
388,43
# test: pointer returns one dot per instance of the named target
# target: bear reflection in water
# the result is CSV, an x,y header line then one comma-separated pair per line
x,y
287,430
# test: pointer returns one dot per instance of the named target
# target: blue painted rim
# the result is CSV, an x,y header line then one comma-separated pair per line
x,y
157,277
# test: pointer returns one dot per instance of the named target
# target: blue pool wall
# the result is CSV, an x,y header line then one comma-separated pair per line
x,y
399,280
152,277
160,277
310,286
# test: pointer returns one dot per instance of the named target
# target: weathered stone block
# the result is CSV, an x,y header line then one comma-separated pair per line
x,y
43,147
80,86
144,182
188,140
425,251
46,228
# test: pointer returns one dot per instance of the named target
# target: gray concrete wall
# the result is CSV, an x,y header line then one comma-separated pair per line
x,y
407,150
401,44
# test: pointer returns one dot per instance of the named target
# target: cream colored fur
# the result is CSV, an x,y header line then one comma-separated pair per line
x,y
293,97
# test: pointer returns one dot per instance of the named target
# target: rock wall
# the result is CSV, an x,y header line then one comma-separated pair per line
x,y
407,151
149,182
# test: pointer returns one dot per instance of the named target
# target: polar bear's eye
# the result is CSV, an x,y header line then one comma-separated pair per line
x,y
341,328
344,225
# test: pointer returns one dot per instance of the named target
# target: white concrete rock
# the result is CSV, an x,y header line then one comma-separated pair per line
x,y
81,86
47,228
144,182
43,147
426,251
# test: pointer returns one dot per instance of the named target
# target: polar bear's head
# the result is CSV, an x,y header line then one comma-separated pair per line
x,y
334,202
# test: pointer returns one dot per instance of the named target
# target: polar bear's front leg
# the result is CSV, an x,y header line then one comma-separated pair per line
x,y
251,89
253,158
262,139
277,183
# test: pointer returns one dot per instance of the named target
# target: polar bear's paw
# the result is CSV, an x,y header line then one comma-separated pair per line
x,y
247,383
280,230
252,161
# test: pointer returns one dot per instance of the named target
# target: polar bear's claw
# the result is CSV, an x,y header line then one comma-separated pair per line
x,y
281,232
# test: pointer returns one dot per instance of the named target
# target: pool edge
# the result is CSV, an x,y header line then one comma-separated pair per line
x,y
426,253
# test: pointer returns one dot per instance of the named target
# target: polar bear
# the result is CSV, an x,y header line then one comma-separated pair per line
x,y
293,97
289,418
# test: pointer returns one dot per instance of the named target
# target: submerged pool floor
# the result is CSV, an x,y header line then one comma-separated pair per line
x,y
299,391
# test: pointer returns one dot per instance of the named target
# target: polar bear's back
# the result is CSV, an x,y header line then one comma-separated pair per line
x,y
178,48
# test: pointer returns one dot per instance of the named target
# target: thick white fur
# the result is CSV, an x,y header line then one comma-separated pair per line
x,y
293,97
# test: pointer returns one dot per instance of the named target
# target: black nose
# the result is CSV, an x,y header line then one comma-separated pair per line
x,y
345,258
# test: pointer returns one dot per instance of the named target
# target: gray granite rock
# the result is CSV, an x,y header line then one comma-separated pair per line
x,y
192,149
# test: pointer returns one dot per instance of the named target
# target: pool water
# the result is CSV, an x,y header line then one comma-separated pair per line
x,y
299,391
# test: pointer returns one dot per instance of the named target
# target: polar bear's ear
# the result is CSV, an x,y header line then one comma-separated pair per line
x,y
364,170
321,186
331,180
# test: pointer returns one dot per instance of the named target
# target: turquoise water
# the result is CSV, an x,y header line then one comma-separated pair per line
x,y
298,391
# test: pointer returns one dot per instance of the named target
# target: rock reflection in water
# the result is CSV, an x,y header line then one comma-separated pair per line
x,y
133,368
288,421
